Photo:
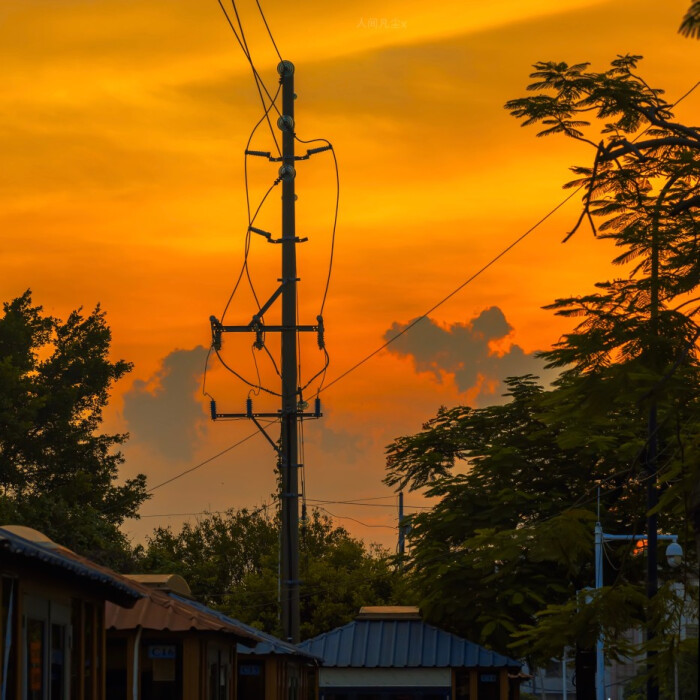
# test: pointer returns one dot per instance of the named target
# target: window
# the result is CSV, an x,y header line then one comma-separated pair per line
x,y
219,672
58,661
35,667
251,678
8,619
161,670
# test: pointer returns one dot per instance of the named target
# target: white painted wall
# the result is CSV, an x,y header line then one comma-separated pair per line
x,y
385,677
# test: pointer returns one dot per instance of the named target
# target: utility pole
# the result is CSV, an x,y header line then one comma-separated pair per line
x,y
673,555
292,406
289,450
652,544
402,534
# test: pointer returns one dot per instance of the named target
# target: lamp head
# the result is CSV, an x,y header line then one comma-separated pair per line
x,y
674,554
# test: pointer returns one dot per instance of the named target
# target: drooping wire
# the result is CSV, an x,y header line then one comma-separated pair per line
x,y
243,379
244,267
320,372
355,520
255,391
247,189
204,374
335,215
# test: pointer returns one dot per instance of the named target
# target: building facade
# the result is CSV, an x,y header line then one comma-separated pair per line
x,y
389,653
52,645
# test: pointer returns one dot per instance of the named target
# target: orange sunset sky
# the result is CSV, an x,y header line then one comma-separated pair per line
x,y
123,124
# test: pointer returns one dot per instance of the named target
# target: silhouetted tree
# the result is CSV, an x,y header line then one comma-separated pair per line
x,y
231,562
691,22
512,533
58,473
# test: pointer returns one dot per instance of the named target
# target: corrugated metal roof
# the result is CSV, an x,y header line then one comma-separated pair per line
x,y
162,611
163,582
50,554
268,643
382,643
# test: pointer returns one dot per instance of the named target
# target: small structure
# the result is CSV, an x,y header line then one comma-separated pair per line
x,y
272,669
167,647
389,653
52,643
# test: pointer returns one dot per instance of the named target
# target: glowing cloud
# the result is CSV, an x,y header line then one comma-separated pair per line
x,y
467,352
163,413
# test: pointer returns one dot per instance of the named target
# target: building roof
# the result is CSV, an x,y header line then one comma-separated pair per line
x,y
389,612
164,582
267,644
400,643
163,611
33,547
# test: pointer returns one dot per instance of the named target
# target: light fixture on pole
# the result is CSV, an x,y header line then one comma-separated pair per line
x,y
674,556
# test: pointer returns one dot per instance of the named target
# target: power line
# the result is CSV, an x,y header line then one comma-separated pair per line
x,y
347,517
481,270
260,509
371,505
267,26
314,504
452,293
259,83
206,461
415,321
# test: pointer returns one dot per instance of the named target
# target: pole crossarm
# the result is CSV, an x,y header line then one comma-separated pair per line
x,y
267,329
309,152
628,538
298,414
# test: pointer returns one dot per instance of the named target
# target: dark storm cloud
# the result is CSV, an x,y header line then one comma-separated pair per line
x,y
163,412
462,351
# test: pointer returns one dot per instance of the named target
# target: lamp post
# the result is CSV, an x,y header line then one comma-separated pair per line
x,y
674,556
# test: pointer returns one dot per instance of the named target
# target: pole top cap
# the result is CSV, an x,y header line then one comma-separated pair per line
x,y
285,68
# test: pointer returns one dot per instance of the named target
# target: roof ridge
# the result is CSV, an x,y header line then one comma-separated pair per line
x,y
442,655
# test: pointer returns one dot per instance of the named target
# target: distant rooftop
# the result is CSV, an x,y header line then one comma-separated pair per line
x,y
396,637
389,612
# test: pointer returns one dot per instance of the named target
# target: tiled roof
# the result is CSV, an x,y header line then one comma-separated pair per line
x,y
46,553
383,643
163,611
267,644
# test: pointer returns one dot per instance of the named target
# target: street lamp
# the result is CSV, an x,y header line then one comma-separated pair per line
x,y
674,556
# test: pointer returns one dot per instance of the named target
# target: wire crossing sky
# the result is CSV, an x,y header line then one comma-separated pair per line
x,y
124,183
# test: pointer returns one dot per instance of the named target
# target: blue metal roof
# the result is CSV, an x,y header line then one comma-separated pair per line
x,y
269,645
400,644
116,588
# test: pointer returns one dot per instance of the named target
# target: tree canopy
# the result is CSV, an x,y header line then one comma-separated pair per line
x,y
230,561
517,485
690,26
58,473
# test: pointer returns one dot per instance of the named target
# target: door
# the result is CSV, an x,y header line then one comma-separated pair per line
x,y
45,650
